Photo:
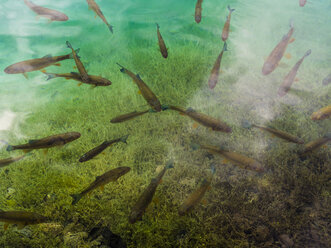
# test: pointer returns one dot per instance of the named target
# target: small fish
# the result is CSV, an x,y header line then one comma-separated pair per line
x,y
163,48
226,29
7,161
101,181
93,80
129,116
146,92
289,79
321,114
35,64
205,120
198,10
146,197
79,64
52,15
48,142
21,218
276,55
327,80
315,144
302,2
278,133
237,159
213,79
97,150
93,5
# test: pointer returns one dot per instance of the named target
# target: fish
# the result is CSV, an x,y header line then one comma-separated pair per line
x,y
203,119
93,80
52,15
101,181
276,55
240,160
93,5
146,92
129,116
289,79
198,10
327,80
213,79
36,64
47,142
226,28
79,64
8,161
97,150
146,197
321,114
163,48
315,144
278,133
21,218
302,2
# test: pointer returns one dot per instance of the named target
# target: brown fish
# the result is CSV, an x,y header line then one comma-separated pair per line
x,y
205,120
321,114
101,181
146,197
315,144
93,80
35,64
52,15
289,79
48,142
79,64
7,161
213,79
93,5
226,28
198,10
163,48
276,55
146,92
129,116
97,150
21,218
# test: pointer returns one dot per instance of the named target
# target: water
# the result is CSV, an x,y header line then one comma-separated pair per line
x,y
287,203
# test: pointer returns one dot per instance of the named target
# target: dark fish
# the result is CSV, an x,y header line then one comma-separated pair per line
x,y
205,120
93,80
198,10
97,150
146,92
93,5
213,79
302,2
163,48
48,142
35,64
52,15
321,114
7,161
315,144
327,80
79,64
146,197
101,181
129,116
21,218
276,55
226,29
289,79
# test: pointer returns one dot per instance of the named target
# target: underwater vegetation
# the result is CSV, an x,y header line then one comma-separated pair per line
x,y
261,175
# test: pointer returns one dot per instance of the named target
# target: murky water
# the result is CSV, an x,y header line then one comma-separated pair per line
x,y
285,205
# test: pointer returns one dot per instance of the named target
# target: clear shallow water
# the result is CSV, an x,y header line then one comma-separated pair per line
x,y
36,108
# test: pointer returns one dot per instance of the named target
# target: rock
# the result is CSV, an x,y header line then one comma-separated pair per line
x,y
285,239
106,238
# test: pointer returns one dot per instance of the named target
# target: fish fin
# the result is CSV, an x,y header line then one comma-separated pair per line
x,y
93,87
75,67
139,92
291,40
9,148
25,75
156,200
324,146
204,202
273,136
27,150
74,73
283,65
79,84
43,71
138,76
45,152
95,16
102,187
76,198
48,56
221,71
20,225
49,21
195,125
57,64
5,226
110,27
161,181
67,78
225,161
32,141
296,79
288,56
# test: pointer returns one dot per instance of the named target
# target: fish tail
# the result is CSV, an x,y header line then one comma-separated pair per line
x,y
49,75
68,44
212,168
225,47
157,25
231,10
246,124
124,138
307,53
170,164
122,67
10,148
165,107
291,23
195,146
110,28
76,198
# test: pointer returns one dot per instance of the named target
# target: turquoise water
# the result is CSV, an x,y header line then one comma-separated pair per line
x,y
237,212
